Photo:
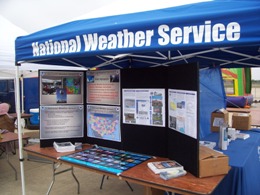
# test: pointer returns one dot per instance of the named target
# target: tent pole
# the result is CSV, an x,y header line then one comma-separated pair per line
x,y
18,112
22,93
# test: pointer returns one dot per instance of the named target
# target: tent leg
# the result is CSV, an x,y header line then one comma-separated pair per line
x,y
18,112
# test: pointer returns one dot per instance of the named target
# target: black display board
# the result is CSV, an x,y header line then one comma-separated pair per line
x,y
151,139
163,141
140,138
181,147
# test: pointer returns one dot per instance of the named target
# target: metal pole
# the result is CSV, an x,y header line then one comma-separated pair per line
x,y
18,112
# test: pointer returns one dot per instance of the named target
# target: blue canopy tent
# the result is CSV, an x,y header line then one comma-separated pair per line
x,y
215,34
208,32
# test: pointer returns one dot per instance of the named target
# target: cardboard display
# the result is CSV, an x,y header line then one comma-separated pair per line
x,y
212,162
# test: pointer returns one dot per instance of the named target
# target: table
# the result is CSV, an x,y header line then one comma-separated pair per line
x,y
23,115
244,159
139,174
8,139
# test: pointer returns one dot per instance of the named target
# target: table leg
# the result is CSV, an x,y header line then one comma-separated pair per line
x,y
72,172
7,158
7,148
55,166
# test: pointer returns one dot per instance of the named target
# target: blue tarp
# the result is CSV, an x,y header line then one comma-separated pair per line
x,y
31,95
212,97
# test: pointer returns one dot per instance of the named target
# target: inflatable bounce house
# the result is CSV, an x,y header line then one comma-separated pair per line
x,y
237,83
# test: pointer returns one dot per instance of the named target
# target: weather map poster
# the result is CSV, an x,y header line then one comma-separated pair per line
x,y
144,107
103,122
183,111
72,85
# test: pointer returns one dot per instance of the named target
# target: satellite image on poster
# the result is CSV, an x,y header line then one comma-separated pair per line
x,y
144,107
61,87
72,85
103,122
183,111
106,159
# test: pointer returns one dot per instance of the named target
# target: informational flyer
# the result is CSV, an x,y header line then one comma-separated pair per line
x,y
66,121
61,87
182,106
144,107
103,122
103,87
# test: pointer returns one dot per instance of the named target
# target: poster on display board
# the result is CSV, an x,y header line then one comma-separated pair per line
x,y
144,107
182,106
103,87
104,122
61,87
64,121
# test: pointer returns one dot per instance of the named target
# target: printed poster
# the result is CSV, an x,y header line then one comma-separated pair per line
x,y
103,87
104,122
144,107
183,111
60,87
64,121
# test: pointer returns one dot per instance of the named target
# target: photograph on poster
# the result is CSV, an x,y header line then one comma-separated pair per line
x,y
60,87
144,107
182,106
103,87
104,122
64,121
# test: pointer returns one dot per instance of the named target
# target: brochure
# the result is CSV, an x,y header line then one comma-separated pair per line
x,y
164,166
63,146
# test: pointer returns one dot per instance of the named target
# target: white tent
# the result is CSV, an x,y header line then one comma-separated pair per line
x,y
9,32
7,47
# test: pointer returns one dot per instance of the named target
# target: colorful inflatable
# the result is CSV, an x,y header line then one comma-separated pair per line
x,y
237,83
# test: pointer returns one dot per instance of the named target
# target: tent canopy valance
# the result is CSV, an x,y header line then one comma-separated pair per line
x,y
213,33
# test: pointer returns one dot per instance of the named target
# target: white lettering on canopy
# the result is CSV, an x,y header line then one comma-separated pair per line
x,y
167,35
122,39
203,33
57,47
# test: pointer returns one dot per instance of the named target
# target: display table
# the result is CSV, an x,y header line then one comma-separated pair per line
x,y
139,174
244,159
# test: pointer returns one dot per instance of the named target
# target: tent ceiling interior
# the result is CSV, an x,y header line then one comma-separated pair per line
x,y
247,56
214,33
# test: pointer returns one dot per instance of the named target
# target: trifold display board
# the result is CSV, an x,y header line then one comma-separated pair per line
x,y
151,111
165,141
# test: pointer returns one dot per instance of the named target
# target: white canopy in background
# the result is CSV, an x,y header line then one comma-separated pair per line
x,y
8,33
